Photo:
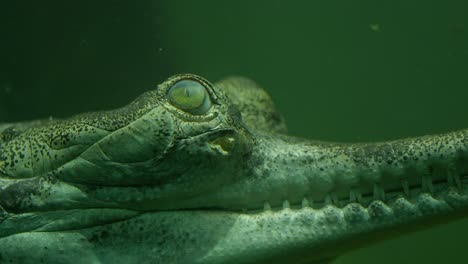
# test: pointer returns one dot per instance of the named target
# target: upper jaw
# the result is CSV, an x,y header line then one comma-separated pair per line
x,y
283,172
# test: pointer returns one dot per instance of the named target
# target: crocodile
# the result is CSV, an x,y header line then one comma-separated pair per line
x,y
195,172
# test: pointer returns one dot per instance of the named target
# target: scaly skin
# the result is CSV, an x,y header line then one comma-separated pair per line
x,y
154,183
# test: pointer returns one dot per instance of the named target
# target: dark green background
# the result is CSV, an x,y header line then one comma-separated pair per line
x,y
338,70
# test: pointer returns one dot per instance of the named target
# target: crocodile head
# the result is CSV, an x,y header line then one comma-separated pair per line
x,y
169,145
199,173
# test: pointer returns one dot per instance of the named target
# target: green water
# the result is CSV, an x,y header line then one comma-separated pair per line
x,y
338,70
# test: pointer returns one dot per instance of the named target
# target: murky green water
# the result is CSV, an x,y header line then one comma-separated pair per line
x,y
338,70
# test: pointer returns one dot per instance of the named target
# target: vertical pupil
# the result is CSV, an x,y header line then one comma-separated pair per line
x,y
187,91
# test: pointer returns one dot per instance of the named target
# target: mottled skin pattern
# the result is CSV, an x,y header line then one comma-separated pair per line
x,y
151,183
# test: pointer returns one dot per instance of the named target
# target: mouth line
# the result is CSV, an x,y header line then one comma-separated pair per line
x,y
411,195
408,192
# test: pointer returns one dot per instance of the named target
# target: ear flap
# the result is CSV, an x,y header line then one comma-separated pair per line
x,y
257,109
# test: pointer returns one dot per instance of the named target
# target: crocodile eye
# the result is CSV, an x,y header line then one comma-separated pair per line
x,y
190,96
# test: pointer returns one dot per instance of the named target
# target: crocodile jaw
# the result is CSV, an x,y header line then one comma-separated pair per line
x,y
306,212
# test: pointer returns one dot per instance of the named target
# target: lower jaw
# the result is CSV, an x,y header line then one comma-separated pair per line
x,y
328,228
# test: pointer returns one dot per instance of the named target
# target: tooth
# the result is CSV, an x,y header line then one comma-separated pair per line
x,y
328,199
285,204
379,193
426,184
352,196
405,185
266,206
454,179
305,202
334,199
358,195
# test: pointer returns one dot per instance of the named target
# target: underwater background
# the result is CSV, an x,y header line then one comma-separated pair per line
x,y
338,70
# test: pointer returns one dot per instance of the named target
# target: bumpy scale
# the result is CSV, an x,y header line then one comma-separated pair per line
x,y
198,173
